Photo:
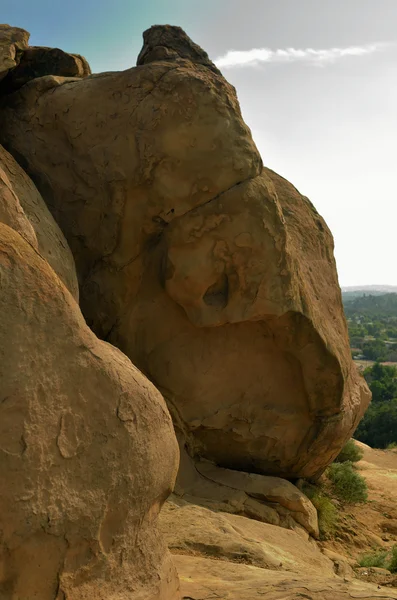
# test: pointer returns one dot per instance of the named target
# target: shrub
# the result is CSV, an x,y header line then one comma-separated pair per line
x,y
350,452
326,511
381,559
374,559
392,564
347,484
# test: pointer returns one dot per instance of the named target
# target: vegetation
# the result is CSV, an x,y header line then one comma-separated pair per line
x,y
379,306
327,513
392,564
378,428
374,559
372,322
382,559
348,485
350,452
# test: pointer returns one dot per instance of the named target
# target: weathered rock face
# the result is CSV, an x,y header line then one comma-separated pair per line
x,y
215,276
13,41
261,498
39,61
192,529
87,450
23,209
203,577
20,63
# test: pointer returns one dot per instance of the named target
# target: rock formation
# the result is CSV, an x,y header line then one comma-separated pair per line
x,y
38,61
267,499
214,275
87,449
206,578
23,209
20,63
13,41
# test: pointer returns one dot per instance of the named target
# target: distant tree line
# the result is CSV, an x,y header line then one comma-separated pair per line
x,y
372,322
378,428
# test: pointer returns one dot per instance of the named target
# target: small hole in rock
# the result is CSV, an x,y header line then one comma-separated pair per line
x,y
218,293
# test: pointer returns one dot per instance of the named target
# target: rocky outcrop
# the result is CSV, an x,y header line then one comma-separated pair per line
x,y
23,209
215,276
13,41
206,578
39,61
199,531
165,42
267,499
87,449
273,490
20,63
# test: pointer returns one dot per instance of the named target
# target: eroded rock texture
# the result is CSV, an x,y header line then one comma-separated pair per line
x,y
13,41
214,275
87,448
20,63
23,209
39,61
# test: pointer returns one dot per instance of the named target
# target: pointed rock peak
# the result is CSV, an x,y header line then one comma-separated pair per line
x,y
13,41
168,42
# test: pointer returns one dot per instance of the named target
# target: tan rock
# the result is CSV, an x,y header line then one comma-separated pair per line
x,y
23,209
205,578
38,61
87,450
195,530
341,564
216,278
13,41
166,42
389,526
270,489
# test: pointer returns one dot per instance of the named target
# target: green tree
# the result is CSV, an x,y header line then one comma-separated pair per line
x,y
378,428
375,350
382,381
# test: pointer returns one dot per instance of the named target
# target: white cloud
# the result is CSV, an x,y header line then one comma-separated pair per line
x,y
257,56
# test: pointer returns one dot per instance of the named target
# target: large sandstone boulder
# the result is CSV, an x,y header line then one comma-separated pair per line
x,y
87,450
23,209
214,275
13,41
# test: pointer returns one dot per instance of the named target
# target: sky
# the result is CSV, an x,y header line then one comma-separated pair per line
x,y
317,84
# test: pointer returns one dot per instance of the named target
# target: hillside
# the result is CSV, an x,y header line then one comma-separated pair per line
x,y
374,306
350,292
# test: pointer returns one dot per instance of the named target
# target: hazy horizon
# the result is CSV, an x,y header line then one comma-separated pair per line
x,y
317,84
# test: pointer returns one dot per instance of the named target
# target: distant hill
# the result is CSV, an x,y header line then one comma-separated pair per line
x,y
351,292
371,304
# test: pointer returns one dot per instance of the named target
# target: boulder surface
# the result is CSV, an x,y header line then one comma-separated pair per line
x,y
23,209
214,275
13,41
87,449
38,61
